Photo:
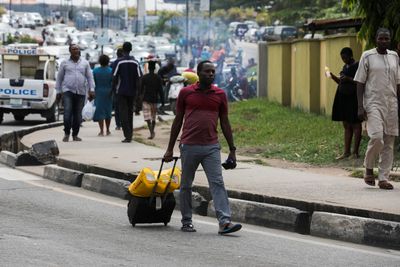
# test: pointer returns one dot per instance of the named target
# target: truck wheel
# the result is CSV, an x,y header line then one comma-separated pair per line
x,y
53,114
19,117
1,117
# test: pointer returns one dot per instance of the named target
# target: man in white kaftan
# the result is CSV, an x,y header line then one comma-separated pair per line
x,y
378,75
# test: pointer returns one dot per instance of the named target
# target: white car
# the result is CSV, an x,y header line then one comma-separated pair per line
x,y
37,18
57,38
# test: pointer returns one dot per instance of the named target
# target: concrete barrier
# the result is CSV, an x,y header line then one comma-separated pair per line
x,y
106,185
356,229
8,158
63,175
268,215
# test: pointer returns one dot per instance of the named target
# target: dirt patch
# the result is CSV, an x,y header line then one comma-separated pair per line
x,y
162,138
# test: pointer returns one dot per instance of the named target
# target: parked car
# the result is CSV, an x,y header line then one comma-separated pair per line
x,y
37,18
57,38
282,33
264,33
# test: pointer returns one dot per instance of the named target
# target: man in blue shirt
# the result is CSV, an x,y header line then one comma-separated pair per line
x,y
127,73
74,76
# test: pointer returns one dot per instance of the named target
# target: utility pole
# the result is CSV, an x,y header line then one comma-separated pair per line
x,y
187,26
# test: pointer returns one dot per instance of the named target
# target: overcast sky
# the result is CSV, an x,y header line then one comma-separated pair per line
x,y
112,4
115,4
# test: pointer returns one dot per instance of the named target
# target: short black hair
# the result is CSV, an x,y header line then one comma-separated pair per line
x,y
346,51
71,45
382,30
104,60
152,65
127,47
201,63
120,52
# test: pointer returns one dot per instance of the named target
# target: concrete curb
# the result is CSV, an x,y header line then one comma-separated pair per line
x,y
11,141
199,203
268,215
106,185
63,175
8,158
355,229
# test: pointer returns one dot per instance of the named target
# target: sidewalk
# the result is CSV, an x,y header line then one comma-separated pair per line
x,y
314,191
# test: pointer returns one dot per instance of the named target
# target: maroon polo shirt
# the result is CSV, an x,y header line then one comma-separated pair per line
x,y
202,110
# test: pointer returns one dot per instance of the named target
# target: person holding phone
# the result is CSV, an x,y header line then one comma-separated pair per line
x,y
345,104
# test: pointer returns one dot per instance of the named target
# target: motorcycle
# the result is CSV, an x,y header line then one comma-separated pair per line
x,y
233,90
176,83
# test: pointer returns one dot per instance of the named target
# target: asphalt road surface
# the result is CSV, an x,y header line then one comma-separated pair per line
x,y
44,223
9,124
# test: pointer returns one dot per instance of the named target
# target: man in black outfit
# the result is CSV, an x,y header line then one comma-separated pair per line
x,y
127,71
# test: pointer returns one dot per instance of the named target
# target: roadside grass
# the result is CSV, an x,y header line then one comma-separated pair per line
x,y
269,130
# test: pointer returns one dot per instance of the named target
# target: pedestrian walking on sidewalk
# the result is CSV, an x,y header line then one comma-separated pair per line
x,y
126,78
345,104
73,78
150,89
114,94
103,79
199,107
378,88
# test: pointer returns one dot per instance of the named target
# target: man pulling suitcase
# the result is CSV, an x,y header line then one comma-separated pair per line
x,y
198,109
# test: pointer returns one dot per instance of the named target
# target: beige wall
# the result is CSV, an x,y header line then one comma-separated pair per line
x,y
305,83
296,71
279,73
330,57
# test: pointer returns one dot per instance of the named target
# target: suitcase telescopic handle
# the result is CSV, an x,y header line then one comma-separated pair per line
x,y
159,175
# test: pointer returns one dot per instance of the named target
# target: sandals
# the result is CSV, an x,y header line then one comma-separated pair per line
x,y
369,179
343,156
188,228
385,185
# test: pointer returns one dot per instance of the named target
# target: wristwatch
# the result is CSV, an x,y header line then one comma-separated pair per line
x,y
232,148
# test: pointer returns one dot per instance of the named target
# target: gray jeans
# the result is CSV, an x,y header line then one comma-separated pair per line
x,y
210,159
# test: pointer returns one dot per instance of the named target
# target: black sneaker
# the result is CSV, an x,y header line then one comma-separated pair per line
x,y
229,228
188,228
126,141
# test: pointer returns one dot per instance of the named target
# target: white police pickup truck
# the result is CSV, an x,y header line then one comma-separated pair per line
x,y
27,82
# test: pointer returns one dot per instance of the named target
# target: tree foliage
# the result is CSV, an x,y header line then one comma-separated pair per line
x,y
376,14
162,25
292,12
2,11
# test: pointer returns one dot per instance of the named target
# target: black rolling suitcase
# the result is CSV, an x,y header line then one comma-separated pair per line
x,y
145,210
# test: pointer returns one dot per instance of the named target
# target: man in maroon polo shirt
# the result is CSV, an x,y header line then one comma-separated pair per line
x,y
199,107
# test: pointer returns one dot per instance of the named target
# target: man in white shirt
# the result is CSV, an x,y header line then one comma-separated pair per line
x,y
378,85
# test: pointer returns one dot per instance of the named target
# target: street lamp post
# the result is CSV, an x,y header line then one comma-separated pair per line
x,y
187,26
102,20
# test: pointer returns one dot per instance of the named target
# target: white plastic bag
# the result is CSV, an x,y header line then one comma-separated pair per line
x,y
88,111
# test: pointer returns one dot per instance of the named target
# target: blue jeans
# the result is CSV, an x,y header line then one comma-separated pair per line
x,y
209,157
73,104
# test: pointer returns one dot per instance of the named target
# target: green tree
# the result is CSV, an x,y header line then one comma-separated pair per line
x,y
163,26
239,14
376,14
2,11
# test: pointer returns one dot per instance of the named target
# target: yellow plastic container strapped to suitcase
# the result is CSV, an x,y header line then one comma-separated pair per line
x,y
144,183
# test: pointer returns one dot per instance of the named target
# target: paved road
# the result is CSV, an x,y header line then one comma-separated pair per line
x,y
9,124
49,224
250,50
